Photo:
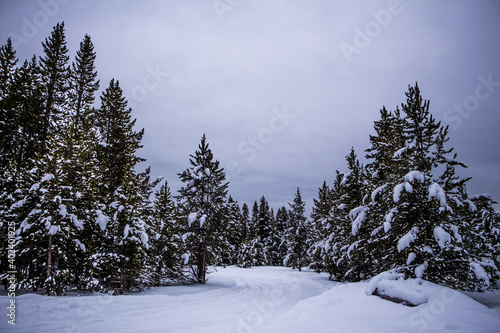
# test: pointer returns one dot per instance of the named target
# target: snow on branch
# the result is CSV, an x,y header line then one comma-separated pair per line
x,y
407,239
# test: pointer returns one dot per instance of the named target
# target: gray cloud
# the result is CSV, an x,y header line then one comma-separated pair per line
x,y
227,76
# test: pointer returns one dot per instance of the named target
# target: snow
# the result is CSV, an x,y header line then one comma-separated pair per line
x,y
398,189
441,237
472,206
47,177
358,214
185,236
407,239
420,270
53,229
345,179
377,191
261,299
388,219
480,272
436,191
186,257
144,239
62,210
202,219
101,219
126,231
400,152
394,285
191,218
80,245
352,247
408,187
412,176
411,257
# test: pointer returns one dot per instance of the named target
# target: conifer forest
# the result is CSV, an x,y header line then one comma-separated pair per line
x,y
81,214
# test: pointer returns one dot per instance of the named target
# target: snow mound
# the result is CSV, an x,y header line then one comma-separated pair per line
x,y
393,287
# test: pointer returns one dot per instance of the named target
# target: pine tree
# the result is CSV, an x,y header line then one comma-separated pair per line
x,y
281,226
245,258
236,232
415,216
257,227
120,226
203,198
319,216
84,83
297,237
55,73
8,123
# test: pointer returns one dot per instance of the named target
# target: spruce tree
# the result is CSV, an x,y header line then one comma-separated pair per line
x,y
235,233
55,73
297,238
281,226
84,83
8,116
120,196
245,258
203,198
319,217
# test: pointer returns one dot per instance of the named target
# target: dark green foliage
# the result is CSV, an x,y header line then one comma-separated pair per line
x,y
407,210
204,212
297,235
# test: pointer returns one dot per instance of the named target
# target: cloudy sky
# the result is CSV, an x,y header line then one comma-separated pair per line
x,y
284,88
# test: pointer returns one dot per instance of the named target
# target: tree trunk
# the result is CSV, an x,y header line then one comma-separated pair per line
x,y
49,265
201,263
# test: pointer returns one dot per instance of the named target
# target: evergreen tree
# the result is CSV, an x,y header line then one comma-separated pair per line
x,y
281,226
257,245
164,262
297,235
319,217
55,74
8,116
235,232
203,198
84,83
245,258
119,221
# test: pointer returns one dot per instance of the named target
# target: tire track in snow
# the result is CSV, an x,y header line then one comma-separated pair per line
x,y
233,300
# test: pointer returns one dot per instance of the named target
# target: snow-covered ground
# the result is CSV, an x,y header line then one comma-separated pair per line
x,y
260,299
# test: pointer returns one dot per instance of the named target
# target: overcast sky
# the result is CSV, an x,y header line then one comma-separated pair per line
x,y
284,88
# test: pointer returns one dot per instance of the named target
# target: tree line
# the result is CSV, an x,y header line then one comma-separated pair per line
x,y
86,219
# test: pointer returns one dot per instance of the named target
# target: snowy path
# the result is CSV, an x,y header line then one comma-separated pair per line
x,y
261,299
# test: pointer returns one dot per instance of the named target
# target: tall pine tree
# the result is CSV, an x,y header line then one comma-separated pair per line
x,y
203,198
